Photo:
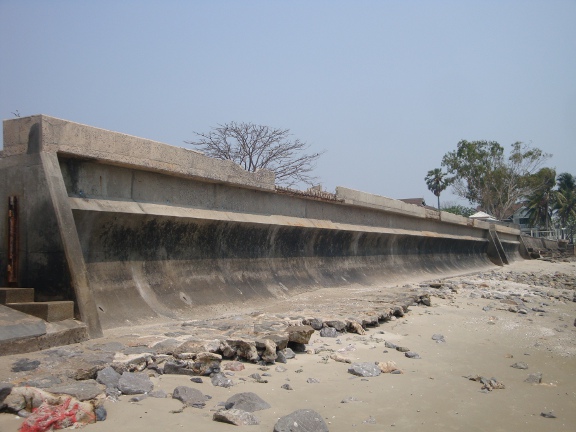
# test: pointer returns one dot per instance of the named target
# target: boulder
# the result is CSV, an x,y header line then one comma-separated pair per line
x,y
246,401
304,420
300,334
236,417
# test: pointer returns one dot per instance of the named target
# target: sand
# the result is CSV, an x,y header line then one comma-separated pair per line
x,y
431,395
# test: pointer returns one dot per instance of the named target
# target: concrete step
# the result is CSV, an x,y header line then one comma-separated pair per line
x,y
50,311
16,295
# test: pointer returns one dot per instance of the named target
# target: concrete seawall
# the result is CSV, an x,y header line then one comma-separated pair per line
x,y
132,229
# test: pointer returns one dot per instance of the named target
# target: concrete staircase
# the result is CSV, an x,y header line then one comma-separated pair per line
x,y
22,299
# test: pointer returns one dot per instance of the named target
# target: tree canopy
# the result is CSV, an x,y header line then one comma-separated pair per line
x,y
485,176
437,182
255,147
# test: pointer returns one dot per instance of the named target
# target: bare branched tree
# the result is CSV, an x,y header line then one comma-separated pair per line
x,y
255,147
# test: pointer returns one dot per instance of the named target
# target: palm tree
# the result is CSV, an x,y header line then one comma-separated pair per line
x,y
437,181
542,199
565,205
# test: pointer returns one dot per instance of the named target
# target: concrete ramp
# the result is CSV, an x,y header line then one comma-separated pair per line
x,y
131,229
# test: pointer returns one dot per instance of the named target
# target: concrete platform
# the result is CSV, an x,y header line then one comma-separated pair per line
x,y
16,295
48,311
17,325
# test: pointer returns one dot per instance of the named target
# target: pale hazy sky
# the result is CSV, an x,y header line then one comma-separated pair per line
x,y
386,87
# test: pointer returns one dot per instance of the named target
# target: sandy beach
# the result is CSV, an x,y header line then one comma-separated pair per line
x,y
478,325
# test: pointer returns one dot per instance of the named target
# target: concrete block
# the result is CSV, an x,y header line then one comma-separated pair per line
x,y
48,311
16,295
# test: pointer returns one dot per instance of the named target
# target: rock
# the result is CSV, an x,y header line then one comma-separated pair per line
x,y
288,353
315,323
286,387
519,365
256,377
297,347
81,390
339,358
313,381
402,349
246,401
281,357
196,380
267,347
221,380
300,334
158,394
108,376
390,345
138,398
535,378
100,413
350,399
304,420
5,389
412,355
206,363
130,362
167,346
548,414
355,327
387,367
190,396
364,369
244,348
85,374
177,367
25,364
131,383
438,338
337,324
43,382
236,417
195,346
280,369
234,366
329,332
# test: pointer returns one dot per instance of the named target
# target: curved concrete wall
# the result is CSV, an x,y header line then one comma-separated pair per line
x,y
205,262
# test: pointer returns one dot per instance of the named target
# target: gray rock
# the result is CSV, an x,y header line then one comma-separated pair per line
x,y
329,332
247,401
25,364
286,387
303,420
312,381
221,380
109,377
43,382
519,365
315,323
389,345
100,413
281,357
131,383
167,346
402,349
280,369
438,338
535,378
138,398
412,355
337,324
364,369
177,367
81,390
158,394
236,417
197,380
288,353
190,396
548,414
